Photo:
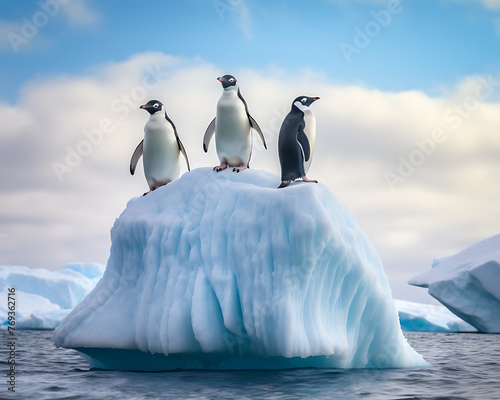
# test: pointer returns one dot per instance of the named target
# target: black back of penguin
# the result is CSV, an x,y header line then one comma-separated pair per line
x,y
290,153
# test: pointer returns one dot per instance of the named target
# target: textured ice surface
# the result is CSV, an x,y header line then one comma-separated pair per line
x,y
36,311
468,284
223,270
44,297
419,317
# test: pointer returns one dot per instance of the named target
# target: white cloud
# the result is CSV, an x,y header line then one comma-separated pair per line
x,y
27,33
448,203
496,24
237,11
79,12
6,28
489,4
244,18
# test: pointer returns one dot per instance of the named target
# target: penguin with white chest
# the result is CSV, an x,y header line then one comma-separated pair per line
x,y
296,141
232,126
160,149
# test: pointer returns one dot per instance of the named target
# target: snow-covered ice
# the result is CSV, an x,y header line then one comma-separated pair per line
x,y
223,270
44,298
468,284
418,317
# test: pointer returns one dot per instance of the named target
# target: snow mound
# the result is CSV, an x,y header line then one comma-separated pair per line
x,y
417,317
44,298
468,284
224,271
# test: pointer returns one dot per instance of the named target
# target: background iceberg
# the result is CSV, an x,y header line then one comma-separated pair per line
x,y
225,271
468,284
417,317
44,297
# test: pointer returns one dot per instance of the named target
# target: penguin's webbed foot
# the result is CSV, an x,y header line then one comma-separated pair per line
x,y
284,184
240,168
221,167
305,179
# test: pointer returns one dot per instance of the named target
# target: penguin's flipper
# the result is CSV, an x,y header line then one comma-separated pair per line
x,y
255,125
304,143
179,143
136,156
183,151
208,135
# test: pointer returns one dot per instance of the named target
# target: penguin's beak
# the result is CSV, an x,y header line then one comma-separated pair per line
x,y
315,98
220,79
143,106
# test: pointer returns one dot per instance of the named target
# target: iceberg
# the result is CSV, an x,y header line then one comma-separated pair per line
x,y
43,297
224,271
40,312
468,284
418,317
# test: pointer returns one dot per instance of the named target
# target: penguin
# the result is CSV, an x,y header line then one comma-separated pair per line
x,y
160,148
232,126
296,141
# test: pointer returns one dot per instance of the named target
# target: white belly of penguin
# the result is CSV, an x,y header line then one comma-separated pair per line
x,y
310,131
233,138
161,152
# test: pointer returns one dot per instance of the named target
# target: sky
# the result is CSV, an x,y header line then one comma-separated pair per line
x,y
407,124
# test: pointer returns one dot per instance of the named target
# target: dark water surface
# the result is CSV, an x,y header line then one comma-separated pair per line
x,y
464,366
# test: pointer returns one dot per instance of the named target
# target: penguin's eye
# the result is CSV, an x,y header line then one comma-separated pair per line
x,y
303,100
231,80
156,105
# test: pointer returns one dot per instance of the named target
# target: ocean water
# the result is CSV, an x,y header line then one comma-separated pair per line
x,y
464,366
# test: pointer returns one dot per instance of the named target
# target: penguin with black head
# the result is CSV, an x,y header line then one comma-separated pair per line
x,y
160,149
296,141
232,127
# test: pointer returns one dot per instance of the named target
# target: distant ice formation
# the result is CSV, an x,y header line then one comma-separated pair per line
x,y
224,271
468,284
417,317
44,298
